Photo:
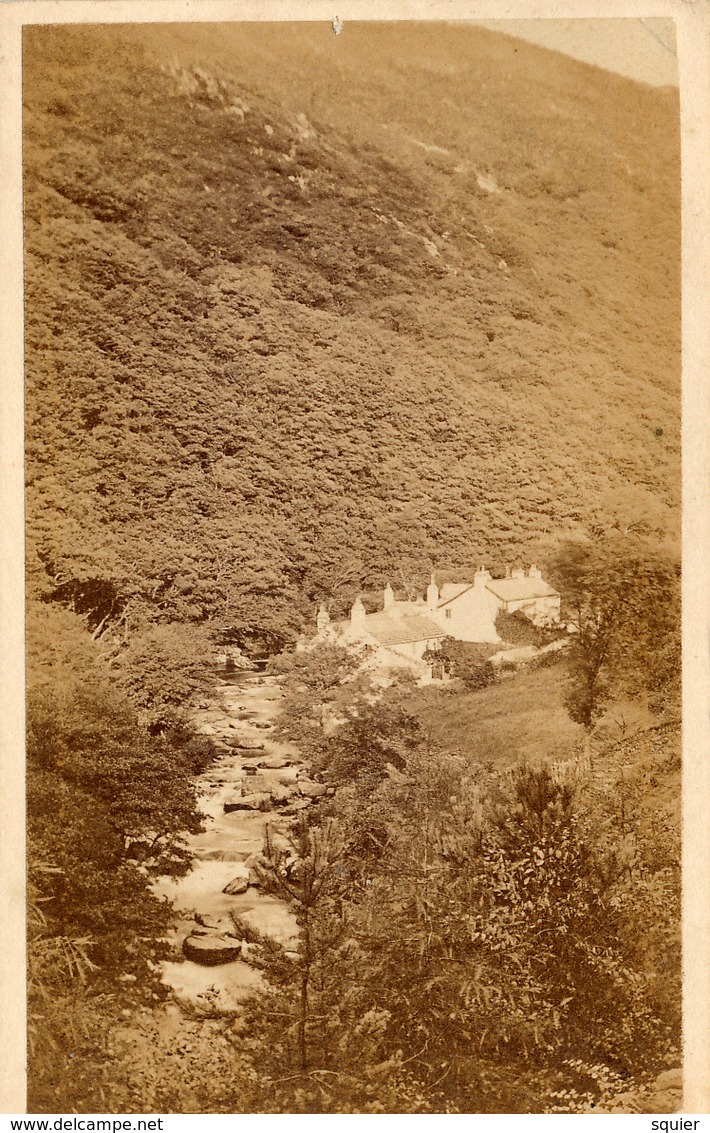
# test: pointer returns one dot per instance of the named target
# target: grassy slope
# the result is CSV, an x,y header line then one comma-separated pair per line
x,y
410,295
522,719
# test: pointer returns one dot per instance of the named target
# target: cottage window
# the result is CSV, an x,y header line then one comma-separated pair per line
x,y
448,613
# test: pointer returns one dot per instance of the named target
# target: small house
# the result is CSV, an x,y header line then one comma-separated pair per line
x,y
402,632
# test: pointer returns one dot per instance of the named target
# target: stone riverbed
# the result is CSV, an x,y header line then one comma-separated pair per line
x,y
254,782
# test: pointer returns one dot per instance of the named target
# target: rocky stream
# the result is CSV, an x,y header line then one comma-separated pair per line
x,y
255,782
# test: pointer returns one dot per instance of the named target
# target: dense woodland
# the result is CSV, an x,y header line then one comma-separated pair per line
x,y
282,343
302,316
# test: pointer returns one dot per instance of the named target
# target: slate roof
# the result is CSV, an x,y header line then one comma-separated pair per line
x,y
402,630
451,590
521,589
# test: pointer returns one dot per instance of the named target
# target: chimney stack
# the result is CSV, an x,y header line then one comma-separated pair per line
x,y
432,594
357,616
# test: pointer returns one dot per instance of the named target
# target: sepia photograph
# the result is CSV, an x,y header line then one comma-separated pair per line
x,y
352,378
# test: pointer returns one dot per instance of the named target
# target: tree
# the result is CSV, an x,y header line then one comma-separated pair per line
x,y
374,737
307,882
163,669
622,598
101,790
319,685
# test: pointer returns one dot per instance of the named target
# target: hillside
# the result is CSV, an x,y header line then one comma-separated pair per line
x,y
304,312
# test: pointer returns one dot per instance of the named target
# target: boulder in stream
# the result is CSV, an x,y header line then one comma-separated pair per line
x,y
274,762
261,801
210,948
280,794
223,926
287,777
208,854
236,886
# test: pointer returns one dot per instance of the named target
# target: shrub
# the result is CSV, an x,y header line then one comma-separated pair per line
x,y
465,661
517,629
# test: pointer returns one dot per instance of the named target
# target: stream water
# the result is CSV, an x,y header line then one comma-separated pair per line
x,y
242,713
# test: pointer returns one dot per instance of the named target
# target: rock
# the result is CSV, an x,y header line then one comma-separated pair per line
x,y
226,769
311,789
220,774
669,1080
209,855
254,879
223,926
280,794
285,778
296,805
237,885
273,762
261,801
211,948
205,730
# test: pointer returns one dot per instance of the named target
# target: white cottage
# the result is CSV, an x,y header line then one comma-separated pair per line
x,y
468,610
401,633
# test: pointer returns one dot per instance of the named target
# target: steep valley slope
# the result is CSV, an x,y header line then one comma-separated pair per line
x,y
305,312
